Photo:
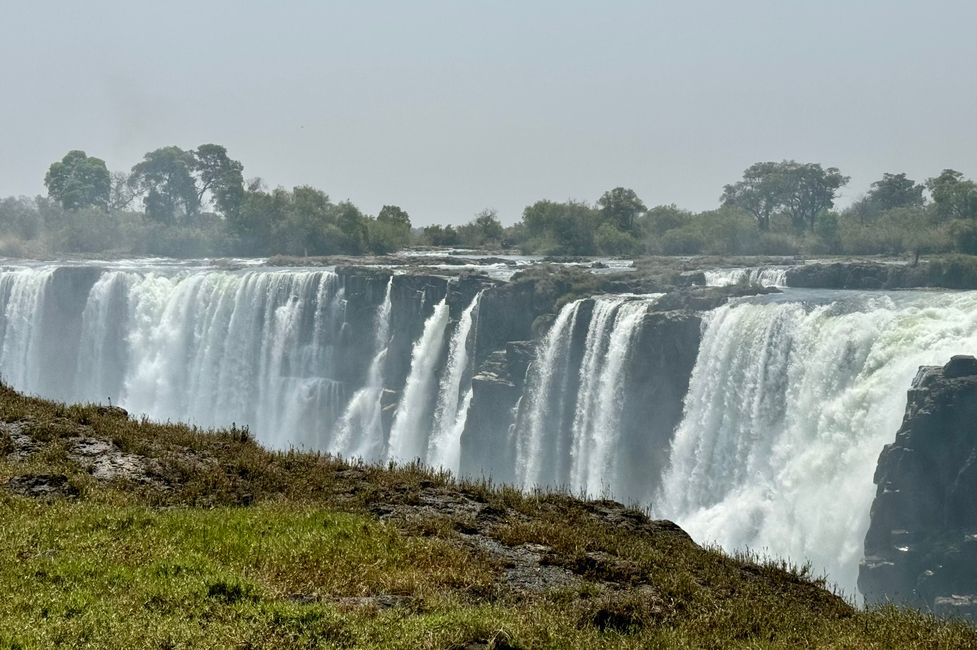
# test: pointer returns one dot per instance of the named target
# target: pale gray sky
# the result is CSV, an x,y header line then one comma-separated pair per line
x,y
446,108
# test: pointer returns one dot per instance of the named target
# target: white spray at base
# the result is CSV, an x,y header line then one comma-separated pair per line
x,y
788,408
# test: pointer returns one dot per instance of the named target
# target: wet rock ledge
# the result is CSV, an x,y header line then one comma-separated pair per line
x,y
921,546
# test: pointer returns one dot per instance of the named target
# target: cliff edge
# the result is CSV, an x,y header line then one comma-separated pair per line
x,y
921,546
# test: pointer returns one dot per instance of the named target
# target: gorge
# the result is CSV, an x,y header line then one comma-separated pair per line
x,y
742,415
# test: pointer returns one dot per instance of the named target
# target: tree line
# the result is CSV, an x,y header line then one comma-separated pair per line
x,y
196,202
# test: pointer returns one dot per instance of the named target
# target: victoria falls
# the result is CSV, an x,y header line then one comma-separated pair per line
x,y
488,326
752,416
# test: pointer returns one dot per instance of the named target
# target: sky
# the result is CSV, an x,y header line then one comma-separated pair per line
x,y
448,108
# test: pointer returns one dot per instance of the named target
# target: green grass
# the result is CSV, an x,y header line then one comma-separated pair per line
x,y
232,546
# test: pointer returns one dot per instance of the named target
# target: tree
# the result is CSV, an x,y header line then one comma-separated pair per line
x,y
438,235
621,207
760,192
122,192
165,179
489,228
662,218
394,215
216,173
257,223
809,189
560,228
799,191
79,181
955,197
353,224
390,231
895,191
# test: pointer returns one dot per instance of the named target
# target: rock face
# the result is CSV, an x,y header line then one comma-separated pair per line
x,y
950,274
921,546
496,389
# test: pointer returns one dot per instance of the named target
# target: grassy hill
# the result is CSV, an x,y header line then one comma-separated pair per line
x,y
118,533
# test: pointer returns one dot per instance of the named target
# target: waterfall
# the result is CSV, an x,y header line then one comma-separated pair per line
x,y
568,427
208,347
602,386
361,427
412,421
789,405
545,396
431,415
451,410
764,276
22,295
98,374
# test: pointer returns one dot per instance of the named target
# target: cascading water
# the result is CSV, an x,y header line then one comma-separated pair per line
x,y
207,347
595,430
361,426
764,276
567,429
790,403
451,409
22,295
428,423
411,426
537,440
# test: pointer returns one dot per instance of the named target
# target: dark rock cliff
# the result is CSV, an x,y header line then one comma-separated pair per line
x,y
61,321
950,273
921,545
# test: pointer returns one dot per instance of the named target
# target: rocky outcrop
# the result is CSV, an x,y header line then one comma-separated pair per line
x,y
660,370
921,545
496,389
948,273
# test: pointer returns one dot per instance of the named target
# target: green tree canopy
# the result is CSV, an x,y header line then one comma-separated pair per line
x,y
895,191
390,231
798,191
955,196
394,215
760,192
438,235
79,181
488,227
165,179
808,190
621,207
560,228
216,173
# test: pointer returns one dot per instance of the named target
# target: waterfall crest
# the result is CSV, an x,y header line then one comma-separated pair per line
x,y
764,276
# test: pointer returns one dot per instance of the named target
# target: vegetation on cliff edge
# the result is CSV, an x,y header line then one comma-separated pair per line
x,y
123,533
